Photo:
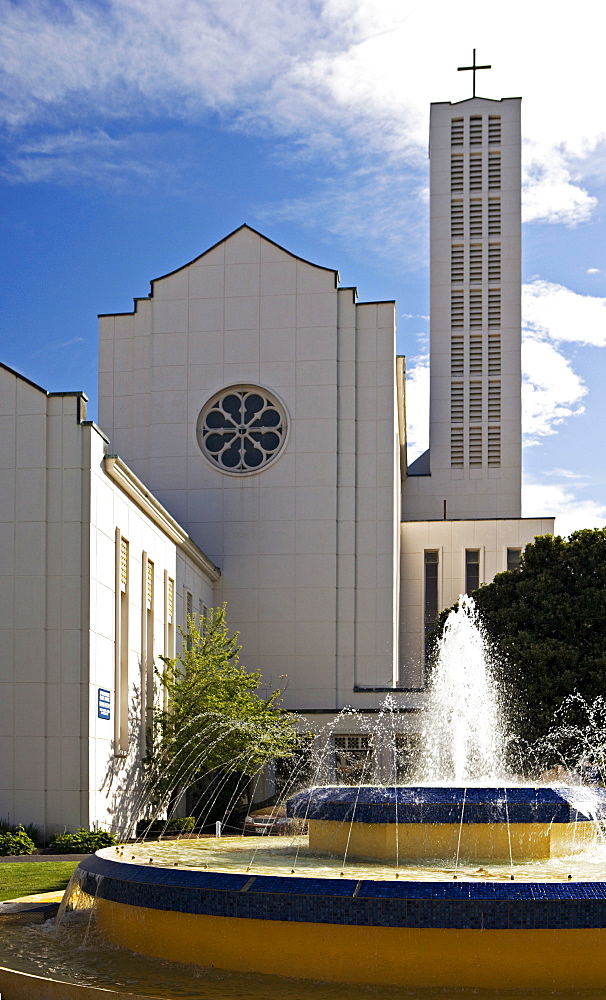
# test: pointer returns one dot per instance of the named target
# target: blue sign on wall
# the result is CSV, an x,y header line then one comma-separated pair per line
x,y
103,705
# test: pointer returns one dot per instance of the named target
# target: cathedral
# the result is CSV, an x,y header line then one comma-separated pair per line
x,y
251,449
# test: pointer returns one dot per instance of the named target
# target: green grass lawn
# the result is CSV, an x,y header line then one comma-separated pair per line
x,y
27,877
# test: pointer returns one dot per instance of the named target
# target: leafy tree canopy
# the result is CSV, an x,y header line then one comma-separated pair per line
x,y
547,624
211,715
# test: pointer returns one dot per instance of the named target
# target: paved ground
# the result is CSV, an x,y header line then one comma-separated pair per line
x,y
76,858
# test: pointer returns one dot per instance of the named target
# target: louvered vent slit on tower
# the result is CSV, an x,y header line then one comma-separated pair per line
x,y
475,130
456,132
456,220
456,309
494,401
475,172
494,447
494,354
475,307
494,261
456,264
475,354
475,263
457,402
494,307
494,130
475,218
456,448
456,173
475,401
457,358
494,171
475,447
494,216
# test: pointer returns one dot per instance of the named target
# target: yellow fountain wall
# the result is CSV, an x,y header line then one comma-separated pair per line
x,y
382,956
478,841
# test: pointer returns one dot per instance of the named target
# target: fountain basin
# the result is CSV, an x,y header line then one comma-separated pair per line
x,y
413,934
427,822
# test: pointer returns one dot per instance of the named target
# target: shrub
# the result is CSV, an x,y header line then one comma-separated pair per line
x,y
32,831
82,842
158,827
14,843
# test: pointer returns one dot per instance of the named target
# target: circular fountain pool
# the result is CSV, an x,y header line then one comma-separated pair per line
x,y
286,906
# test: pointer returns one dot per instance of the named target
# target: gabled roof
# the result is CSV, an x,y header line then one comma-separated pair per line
x,y
250,229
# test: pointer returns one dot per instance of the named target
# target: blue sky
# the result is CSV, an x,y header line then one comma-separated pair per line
x,y
136,133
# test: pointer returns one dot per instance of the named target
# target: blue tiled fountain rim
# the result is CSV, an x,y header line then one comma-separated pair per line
x,y
367,902
428,805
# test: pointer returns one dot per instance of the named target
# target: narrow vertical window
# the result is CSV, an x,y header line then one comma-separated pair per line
x,y
475,401
457,356
456,310
513,559
169,621
475,130
494,447
456,448
494,130
475,263
121,647
494,354
456,132
475,218
456,220
494,401
189,610
494,171
456,173
475,354
475,172
457,401
456,264
431,593
475,447
147,649
472,570
494,216
494,307
475,307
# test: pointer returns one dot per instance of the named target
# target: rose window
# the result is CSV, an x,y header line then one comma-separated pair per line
x,y
241,429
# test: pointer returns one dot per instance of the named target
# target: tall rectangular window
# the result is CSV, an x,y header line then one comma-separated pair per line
x,y
456,219
169,621
431,604
475,172
456,173
147,648
472,570
475,130
122,572
475,218
513,558
456,131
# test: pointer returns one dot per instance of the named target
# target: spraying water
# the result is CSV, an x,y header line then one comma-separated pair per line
x,y
464,735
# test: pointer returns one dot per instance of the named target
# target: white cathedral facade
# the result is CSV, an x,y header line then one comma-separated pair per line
x,y
251,448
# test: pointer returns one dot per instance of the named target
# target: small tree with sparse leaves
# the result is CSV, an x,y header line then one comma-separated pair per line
x,y
210,716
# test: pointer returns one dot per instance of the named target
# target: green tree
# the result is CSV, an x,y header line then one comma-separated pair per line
x,y
211,717
547,625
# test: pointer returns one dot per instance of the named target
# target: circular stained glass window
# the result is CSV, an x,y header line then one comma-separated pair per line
x,y
242,429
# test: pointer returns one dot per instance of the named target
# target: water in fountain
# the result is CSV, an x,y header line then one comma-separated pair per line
x,y
464,733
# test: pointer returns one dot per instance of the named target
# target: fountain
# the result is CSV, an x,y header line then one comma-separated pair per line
x,y
464,878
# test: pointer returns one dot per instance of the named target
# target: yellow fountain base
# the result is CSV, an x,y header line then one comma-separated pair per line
x,y
470,841
378,956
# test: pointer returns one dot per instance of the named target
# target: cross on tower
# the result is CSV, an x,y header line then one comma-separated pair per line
x,y
473,68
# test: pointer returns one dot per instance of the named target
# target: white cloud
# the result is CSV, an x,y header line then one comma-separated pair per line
x,y
335,75
554,315
557,312
417,406
551,391
571,512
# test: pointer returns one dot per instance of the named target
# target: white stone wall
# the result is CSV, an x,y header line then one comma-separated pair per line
x,y
306,546
59,510
450,539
